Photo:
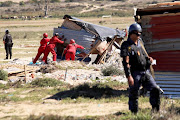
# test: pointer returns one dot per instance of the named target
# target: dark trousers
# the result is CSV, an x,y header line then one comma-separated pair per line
x,y
8,49
147,81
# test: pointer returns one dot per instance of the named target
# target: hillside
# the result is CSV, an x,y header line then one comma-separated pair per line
x,y
81,8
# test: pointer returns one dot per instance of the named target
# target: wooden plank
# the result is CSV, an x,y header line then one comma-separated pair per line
x,y
92,50
168,4
71,25
158,10
105,52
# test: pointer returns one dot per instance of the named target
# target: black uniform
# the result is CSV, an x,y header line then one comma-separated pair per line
x,y
139,69
8,45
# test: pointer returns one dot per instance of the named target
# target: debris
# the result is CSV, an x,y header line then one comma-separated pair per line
x,y
3,82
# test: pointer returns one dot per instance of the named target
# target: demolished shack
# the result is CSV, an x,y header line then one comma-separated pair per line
x,y
161,36
95,38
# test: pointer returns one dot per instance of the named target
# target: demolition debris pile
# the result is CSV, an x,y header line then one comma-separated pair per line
x,y
72,72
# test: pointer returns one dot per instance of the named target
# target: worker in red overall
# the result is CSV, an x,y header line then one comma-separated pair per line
x,y
50,47
70,50
42,47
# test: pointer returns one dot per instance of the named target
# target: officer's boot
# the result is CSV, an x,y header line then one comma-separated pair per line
x,y
133,100
155,108
134,111
6,57
155,99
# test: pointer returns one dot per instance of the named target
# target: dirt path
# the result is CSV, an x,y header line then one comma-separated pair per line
x,y
95,7
53,107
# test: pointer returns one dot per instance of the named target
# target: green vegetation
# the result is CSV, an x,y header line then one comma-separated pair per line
x,y
6,4
68,8
46,82
21,3
3,75
53,1
96,92
38,89
34,95
153,2
111,70
2,86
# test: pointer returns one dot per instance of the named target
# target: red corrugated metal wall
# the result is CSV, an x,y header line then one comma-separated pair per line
x,y
164,27
167,61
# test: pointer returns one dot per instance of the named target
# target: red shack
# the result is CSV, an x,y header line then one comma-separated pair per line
x,y
161,36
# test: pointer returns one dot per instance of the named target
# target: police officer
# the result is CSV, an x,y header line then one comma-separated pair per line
x,y
137,69
7,40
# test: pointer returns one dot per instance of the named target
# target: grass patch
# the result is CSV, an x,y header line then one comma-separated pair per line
x,y
46,82
111,70
115,84
87,92
2,86
28,94
3,75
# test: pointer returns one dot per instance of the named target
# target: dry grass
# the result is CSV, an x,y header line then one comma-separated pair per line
x,y
14,0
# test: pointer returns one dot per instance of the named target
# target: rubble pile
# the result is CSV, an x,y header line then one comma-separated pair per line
x,y
71,64
47,68
72,72
114,60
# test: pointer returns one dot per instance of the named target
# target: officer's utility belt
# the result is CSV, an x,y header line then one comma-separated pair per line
x,y
138,70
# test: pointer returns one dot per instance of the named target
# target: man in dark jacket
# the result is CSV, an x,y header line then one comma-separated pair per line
x,y
137,69
7,40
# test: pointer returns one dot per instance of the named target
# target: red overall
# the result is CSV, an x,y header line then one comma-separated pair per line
x,y
71,51
50,48
41,49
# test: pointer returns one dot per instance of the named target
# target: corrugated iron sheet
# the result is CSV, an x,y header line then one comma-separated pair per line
x,y
169,83
81,37
161,35
165,27
167,60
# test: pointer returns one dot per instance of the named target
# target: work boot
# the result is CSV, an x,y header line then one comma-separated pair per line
x,y
53,63
134,111
155,108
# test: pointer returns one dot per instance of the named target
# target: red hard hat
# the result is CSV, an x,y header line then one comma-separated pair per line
x,y
45,35
72,41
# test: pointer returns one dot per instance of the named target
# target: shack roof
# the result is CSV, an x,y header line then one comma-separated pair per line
x,y
100,32
160,8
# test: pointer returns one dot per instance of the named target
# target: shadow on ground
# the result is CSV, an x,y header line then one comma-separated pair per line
x,y
96,91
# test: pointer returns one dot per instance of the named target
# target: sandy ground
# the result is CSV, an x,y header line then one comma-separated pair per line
x,y
56,108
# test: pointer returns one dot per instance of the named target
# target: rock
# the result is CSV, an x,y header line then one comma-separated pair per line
x,y
3,82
